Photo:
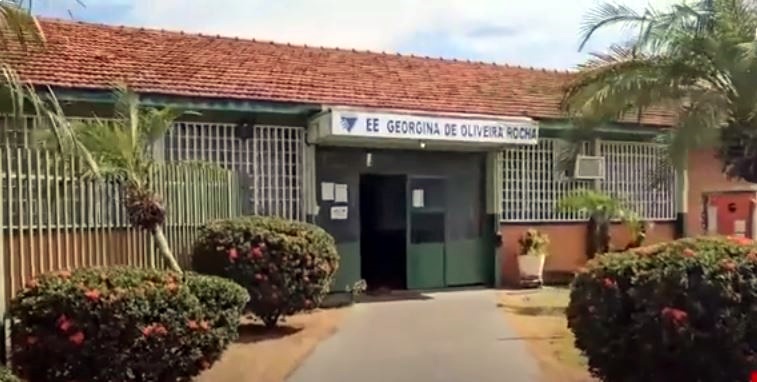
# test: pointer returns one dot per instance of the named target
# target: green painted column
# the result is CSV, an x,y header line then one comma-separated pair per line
x,y
309,184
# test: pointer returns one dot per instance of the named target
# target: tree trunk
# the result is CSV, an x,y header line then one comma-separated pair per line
x,y
598,238
165,250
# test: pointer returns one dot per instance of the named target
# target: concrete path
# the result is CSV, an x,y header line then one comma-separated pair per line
x,y
457,336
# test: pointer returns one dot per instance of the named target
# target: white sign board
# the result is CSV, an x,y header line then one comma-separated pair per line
x,y
340,193
418,198
327,191
339,213
404,126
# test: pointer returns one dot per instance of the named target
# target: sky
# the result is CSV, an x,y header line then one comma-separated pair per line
x,y
536,33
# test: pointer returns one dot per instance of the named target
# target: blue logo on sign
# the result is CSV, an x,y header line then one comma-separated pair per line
x,y
348,123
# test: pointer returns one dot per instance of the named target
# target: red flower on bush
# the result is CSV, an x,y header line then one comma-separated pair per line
x,y
676,316
256,252
233,255
93,295
172,286
32,284
728,265
609,283
688,252
77,338
740,240
64,274
63,323
154,329
202,325
31,340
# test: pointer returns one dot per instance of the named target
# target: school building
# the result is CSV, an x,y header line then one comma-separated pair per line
x,y
425,170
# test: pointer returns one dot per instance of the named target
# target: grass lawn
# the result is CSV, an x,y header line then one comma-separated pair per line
x,y
262,355
538,316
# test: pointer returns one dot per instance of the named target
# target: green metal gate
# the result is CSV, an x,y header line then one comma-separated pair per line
x,y
427,215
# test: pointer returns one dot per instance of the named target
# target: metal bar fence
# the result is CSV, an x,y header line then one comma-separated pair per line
x,y
54,218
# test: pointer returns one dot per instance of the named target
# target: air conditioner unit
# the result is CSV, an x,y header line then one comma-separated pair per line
x,y
589,167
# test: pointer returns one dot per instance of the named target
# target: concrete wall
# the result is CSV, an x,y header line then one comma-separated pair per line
x,y
567,250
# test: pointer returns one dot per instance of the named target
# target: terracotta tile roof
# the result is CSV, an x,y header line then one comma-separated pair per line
x,y
93,56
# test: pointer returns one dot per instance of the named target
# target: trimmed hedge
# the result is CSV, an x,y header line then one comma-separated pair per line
x,y
121,324
286,266
7,376
680,311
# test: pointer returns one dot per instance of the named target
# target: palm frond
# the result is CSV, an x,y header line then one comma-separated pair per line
x,y
613,84
17,25
607,15
155,123
592,202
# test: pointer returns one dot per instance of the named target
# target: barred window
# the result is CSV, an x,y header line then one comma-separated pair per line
x,y
630,168
534,183
270,157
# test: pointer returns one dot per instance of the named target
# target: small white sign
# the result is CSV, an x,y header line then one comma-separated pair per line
x,y
418,198
739,226
327,191
339,213
340,193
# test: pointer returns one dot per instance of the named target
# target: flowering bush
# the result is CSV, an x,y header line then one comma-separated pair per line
x,y
286,266
679,311
120,324
222,302
7,376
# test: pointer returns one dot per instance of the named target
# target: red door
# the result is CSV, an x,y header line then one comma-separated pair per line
x,y
733,213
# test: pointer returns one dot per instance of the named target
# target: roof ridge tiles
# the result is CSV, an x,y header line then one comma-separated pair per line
x,y
183,64
273,42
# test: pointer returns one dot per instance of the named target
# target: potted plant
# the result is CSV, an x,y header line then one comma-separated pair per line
x,y
533,252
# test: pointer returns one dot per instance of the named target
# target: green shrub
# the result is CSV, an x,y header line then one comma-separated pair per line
x,y
286,266
534,243
7,376
222,300
117,324
679,311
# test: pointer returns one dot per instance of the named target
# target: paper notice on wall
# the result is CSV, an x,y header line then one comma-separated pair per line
x,y
339,213
340,193
327,191
739,227
418,198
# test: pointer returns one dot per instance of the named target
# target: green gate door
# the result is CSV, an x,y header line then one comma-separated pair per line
x,y
426,232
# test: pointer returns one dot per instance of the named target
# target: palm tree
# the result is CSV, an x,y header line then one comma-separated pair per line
x,y
120,148
20,26
601,209
698,60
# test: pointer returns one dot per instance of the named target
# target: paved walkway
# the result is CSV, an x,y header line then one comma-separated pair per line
x,y
455,336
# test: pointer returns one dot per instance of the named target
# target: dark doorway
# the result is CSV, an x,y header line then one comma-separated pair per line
x,y
383,230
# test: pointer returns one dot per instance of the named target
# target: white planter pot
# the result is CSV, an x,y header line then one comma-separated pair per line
x,y
531,266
